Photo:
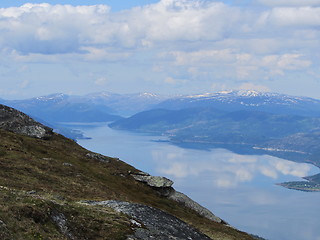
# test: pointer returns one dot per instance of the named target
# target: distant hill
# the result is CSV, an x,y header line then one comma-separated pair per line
x,y
209,125
63,108
126,104
95,107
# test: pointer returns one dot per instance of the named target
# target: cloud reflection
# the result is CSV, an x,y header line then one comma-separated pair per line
x,y
223,168
291,168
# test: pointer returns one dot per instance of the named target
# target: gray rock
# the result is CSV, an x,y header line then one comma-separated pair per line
x,y
32,192
60,220
4,231
2,224
67,164
153,181
158,224
97,156
15,121
189,203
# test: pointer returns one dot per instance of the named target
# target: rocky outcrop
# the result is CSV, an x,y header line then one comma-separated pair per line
x,y
151,223
164,187
15,121
152,181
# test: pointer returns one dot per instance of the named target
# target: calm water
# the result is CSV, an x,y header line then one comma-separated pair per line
x,y
238,188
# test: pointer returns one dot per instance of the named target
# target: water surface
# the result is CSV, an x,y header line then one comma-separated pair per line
x,y
238,188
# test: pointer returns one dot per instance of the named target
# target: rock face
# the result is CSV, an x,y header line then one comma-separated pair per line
x,y
156,223
188,202
15,121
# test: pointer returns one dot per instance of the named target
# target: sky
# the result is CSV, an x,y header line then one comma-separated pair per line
x,y
167,47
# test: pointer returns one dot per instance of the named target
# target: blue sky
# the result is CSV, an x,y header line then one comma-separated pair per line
x,y
167,46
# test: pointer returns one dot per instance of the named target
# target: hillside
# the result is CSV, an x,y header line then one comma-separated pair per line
x,y
214,126
51,188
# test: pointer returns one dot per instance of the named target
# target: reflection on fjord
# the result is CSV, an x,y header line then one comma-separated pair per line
x,y
226,169
239,188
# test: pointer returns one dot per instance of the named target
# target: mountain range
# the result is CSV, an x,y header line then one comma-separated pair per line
x,y
247,100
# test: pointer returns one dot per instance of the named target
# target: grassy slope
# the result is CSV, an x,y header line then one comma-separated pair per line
x,y
28,164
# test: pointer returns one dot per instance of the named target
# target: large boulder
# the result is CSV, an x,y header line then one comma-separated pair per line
x,y
15,121
152,181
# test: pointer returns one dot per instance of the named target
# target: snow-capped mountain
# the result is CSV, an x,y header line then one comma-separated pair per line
x,y
247,100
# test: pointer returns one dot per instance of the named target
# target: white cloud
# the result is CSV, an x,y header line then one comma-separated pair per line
x,y
290,2
199,44
285,62
252,86
170,80
56,29
290,168
225,182
289,16
225,169
240,65
178,170
50,29
269,172
24,84
101,81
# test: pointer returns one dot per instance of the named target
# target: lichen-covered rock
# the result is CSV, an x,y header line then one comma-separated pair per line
x,y
97,156
153,181
15,121
157,224
189,203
